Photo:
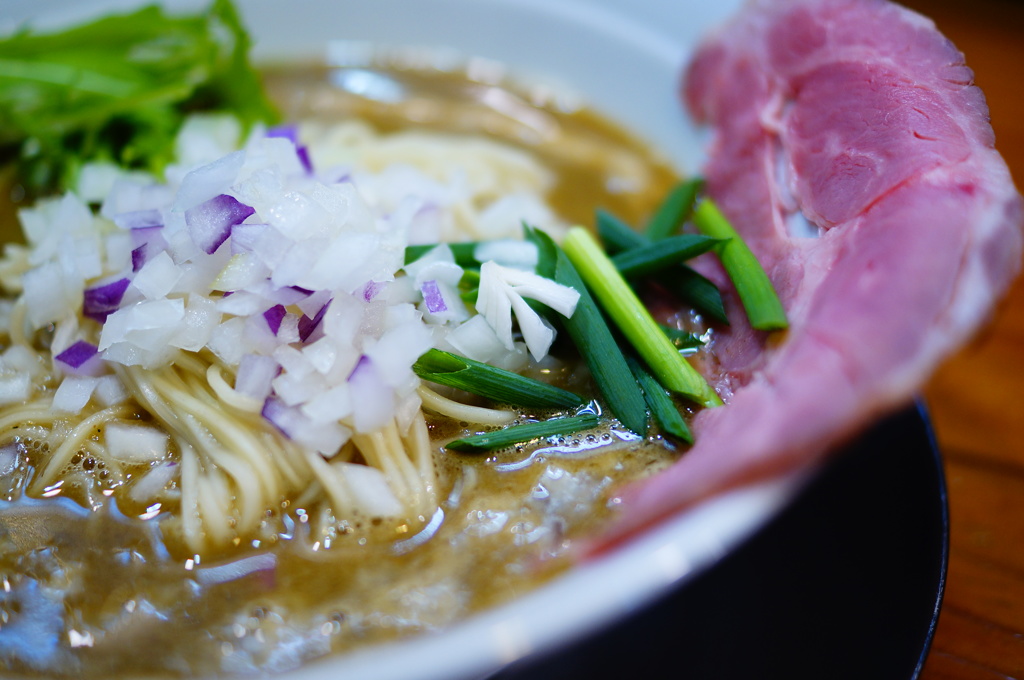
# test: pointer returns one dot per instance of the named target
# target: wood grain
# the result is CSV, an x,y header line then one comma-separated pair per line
x,y
977,399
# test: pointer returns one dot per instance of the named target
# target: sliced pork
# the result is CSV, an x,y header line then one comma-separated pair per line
x,y
854,153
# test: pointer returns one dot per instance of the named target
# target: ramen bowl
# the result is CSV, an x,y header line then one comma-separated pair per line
x,y
623,58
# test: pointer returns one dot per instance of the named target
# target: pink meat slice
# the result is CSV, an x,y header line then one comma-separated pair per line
x,y
853,152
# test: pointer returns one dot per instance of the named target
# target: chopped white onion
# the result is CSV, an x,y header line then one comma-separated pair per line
x,y
15,388
294,279
371,490
131,443
73,394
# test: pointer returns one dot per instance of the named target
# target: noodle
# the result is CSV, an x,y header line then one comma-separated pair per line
x,y
433,401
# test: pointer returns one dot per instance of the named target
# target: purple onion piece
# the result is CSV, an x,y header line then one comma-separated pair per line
x,y
209,223
363,364
286,419
152,236
303,154
77,354
274,316
100,302
255,375
139,257
289,132
139,219
432,297
371,289
308,325
148,241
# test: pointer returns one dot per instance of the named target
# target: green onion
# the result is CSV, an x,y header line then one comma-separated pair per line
x,y
680,280
633,319
693,287
464,253
652,257
469,286
764,310
593,338
518,434
499,385
675,209
616,235
663,409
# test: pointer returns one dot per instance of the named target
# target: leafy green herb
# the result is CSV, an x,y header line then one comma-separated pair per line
x,y
633,319
497,384
675,209
663,409
518,434
680,280
593,338
117,89
762,304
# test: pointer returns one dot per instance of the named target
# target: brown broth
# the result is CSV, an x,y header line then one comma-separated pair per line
x,y
97,593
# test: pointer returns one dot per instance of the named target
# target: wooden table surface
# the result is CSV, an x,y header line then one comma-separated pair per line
x,y
977,399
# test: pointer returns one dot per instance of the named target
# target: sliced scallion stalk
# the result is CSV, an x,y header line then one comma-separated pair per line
x,y
616,235
681,280
760,301
594,340
518,434
655,256
499,385
633,319
674,210
689,285
664,411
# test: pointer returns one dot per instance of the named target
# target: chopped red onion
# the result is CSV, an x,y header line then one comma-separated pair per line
x,y
100,302
303,154
148,234
274,316
308,325
209,223
255,373
361,366
139,257
139,219
376,402
432,297
149,241
371,289
286,419
77,354
289,132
